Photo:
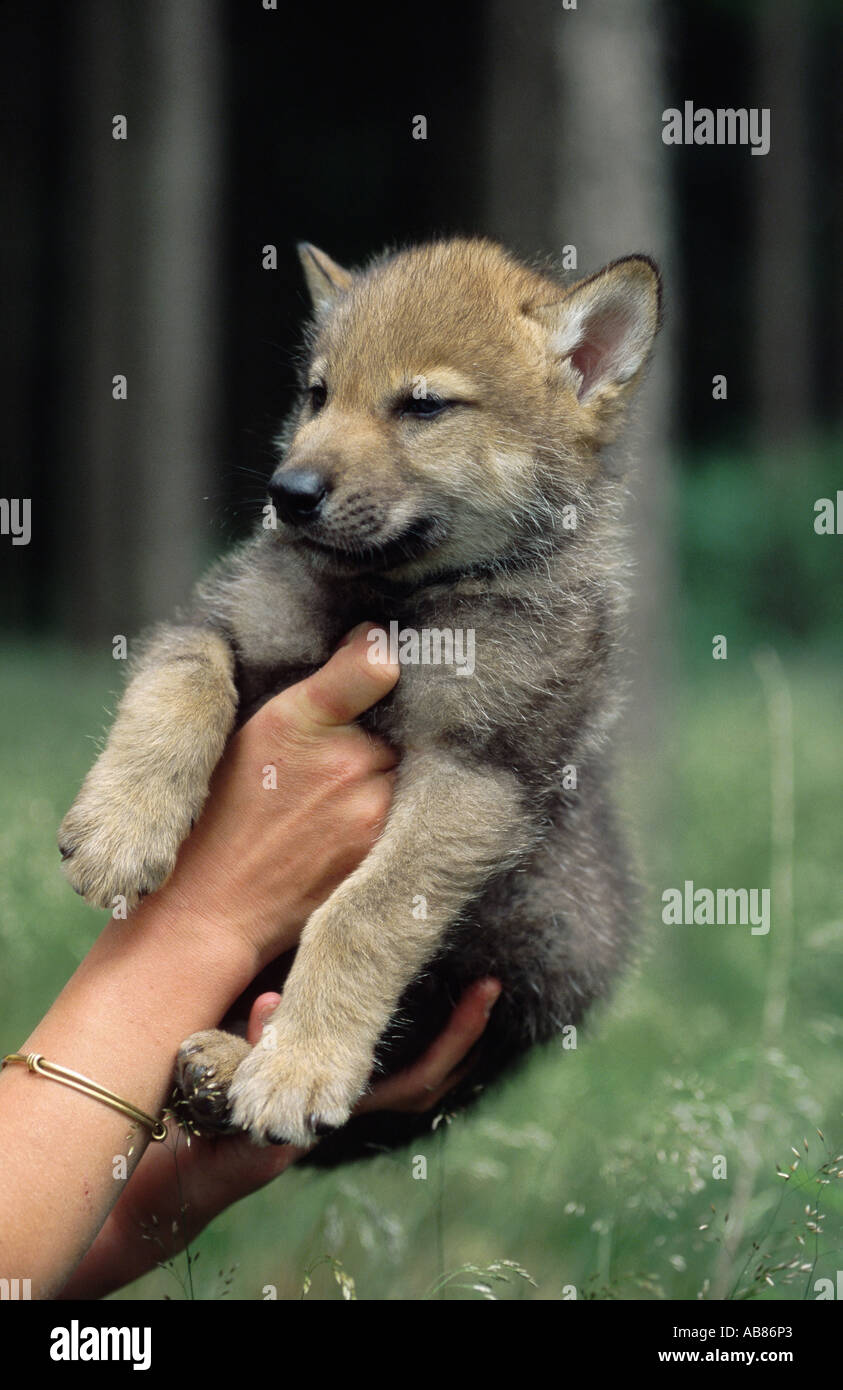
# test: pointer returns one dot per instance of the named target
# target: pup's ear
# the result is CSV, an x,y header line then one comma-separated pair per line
x,y
603,331
325,279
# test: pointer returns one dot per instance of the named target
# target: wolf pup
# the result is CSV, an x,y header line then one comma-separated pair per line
x,y
442,476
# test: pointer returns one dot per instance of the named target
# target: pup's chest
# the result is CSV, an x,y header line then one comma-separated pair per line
x,y
430,702
466,672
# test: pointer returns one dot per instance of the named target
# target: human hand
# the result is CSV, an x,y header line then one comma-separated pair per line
x,y
183,1188
296,803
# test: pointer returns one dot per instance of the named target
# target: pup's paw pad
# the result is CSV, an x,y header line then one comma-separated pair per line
x,y
109,851
279,1101
205,1065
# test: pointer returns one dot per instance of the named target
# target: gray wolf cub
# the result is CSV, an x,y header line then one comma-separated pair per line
x,y
441,475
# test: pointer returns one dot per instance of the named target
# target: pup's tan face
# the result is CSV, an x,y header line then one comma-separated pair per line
x,y
435,408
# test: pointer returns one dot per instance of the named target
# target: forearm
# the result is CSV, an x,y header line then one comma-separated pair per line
x,y
258,861
147,983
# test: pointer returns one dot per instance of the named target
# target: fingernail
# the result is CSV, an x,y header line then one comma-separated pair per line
x,y
493,990
350,636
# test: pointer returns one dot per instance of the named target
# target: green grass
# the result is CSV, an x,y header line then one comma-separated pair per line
x,y
592,1170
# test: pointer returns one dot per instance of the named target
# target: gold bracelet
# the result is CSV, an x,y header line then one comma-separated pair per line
x,y
36,1063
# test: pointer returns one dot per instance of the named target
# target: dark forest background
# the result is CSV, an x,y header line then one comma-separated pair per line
x,y
249,126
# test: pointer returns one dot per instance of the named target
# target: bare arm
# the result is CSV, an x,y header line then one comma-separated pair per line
x,y
215,1172
185,954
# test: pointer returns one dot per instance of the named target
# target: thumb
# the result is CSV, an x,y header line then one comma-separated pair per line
x,y
352,681
262,1009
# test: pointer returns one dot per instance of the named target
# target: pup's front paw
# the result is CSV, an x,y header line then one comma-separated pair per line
x,y
120,839
285,1092
205,1066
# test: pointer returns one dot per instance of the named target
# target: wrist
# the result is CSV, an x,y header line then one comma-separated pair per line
x,y
249,919
196,938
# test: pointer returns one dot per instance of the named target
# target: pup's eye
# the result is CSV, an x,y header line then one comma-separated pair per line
x,y
424,406
318,396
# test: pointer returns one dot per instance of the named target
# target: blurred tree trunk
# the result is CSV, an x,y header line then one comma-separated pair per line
x,y
522,102
832,262
25,142
576,157
142,239
782,260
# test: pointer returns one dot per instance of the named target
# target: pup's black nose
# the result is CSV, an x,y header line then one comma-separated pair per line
x,y
298,494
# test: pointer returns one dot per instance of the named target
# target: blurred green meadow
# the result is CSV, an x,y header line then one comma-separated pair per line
x,y
644,1163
